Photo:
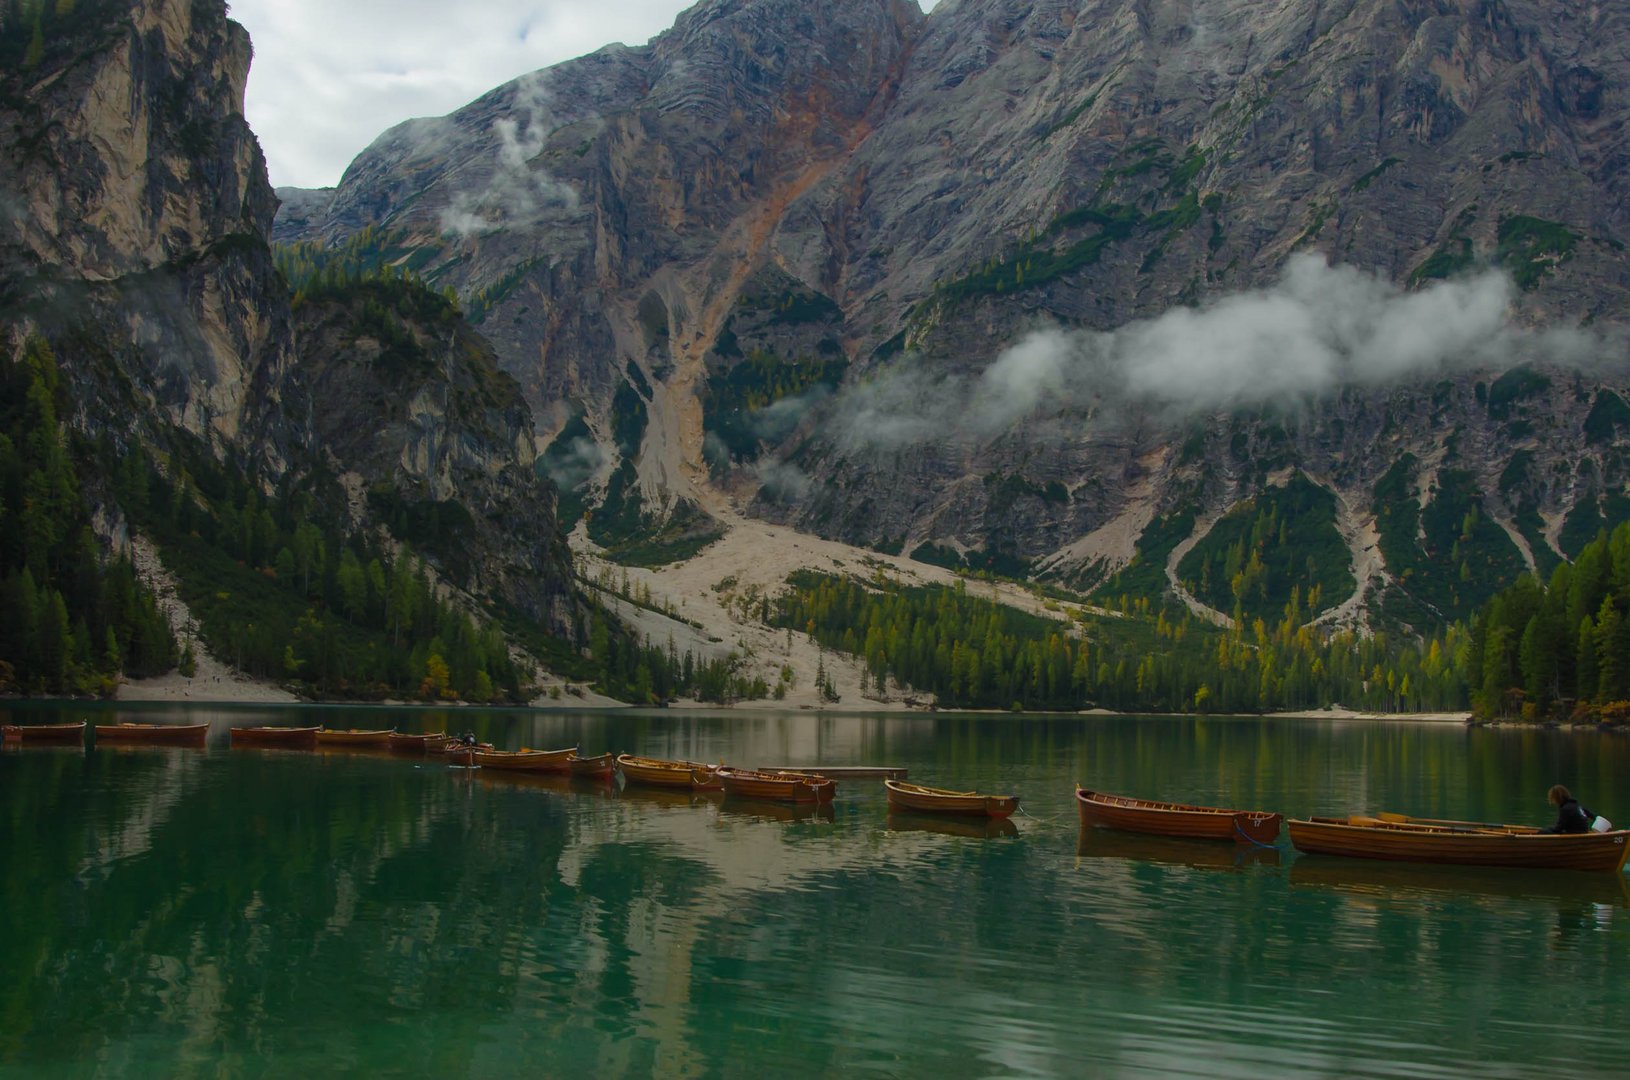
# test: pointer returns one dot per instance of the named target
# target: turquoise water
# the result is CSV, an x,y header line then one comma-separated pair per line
x,y
175,912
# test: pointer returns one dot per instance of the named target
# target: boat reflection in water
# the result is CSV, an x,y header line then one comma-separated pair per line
x,y
1362,877
1173,851
559,783
668,798
765,810
977,828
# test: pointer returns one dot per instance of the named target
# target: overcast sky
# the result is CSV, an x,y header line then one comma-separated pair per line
x,y
330,75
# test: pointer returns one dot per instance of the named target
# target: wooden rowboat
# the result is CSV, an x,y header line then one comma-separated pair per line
x,y
658,772
404,743
558,761
777,787
1372,838
286,738
706,778
599,767
915,797
1175,819
44,733
173,734
354,737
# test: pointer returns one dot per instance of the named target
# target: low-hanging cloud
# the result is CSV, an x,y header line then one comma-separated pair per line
x,y
1319,330
782,481
575,464
780,418
519,189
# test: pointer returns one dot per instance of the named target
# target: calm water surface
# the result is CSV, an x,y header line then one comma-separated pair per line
x,y
173,912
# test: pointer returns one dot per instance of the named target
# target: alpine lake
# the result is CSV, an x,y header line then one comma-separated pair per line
x,y
219,912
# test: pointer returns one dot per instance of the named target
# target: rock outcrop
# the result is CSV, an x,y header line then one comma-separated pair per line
x,y
135,216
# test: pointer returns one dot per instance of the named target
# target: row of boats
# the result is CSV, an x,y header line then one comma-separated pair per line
x,y
1388,836
779,785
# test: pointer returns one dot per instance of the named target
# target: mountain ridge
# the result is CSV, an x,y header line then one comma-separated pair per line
x,y
1133,157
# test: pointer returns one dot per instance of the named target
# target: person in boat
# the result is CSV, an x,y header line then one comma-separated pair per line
x,y
1571,817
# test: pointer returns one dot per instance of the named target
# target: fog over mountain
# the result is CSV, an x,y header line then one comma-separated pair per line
x,y
1319,330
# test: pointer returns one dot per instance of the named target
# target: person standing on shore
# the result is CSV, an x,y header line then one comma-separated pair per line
x,y
1571,817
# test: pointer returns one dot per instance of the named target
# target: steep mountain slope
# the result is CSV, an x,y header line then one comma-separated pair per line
x,y
792,254
134,222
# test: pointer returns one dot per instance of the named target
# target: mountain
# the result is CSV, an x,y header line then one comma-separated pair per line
x,y
291,433
908,281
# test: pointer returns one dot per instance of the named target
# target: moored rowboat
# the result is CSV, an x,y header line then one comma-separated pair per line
x,y
192,734
1372,838
657,772
915,797
526,760
405,743
1175,819
354,737
289,738
779,787
599,767
44,733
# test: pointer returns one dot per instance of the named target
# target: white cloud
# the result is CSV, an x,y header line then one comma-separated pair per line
x,y
1320,329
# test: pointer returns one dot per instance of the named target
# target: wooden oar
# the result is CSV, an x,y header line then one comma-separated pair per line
x,y
1446,823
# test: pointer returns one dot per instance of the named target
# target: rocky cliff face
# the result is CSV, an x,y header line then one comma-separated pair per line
x,y
134,222
773,216
435,441
135,216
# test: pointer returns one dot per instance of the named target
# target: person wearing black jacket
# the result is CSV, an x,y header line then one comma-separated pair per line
x,y
1571,817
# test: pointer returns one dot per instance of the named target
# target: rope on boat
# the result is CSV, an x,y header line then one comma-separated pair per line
x,y
1049,822
1251,839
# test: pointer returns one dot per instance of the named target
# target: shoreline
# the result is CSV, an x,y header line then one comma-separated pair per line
x,y
236,691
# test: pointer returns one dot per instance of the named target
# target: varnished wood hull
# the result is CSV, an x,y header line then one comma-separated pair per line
x,y
282,738
926,800
657,772
153,734
403,743
599,767
1175,819
1462,847
553,761
776,787
354,737
53,734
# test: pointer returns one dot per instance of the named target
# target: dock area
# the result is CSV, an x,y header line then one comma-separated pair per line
x,y
842,772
